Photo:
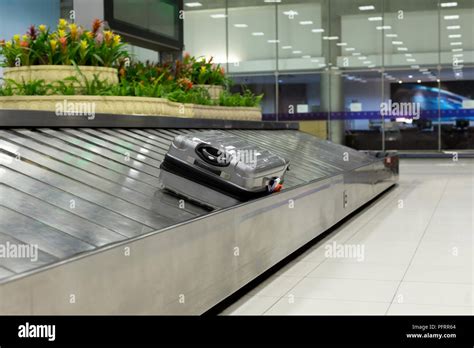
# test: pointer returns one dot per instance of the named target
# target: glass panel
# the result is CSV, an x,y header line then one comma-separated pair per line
x,y
300,34
362,92
457,76
205,30
252,42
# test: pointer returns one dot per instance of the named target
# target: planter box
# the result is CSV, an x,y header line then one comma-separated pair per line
x,y
83,105
53,73
215,91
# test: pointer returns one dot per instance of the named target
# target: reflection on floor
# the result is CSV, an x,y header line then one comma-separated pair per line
x,y
410,252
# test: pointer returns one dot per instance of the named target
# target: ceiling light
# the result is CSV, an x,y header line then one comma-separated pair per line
x,y
331,38
193,4
438,80
419,81
297,52
397,42
451,17
319,30
459,55
391,35
449,4
411,60
356,54
306,57
454,36
348,49
375,19
408,54
371,66
306,22
402,48
367,8
341,44
258,33
273,41
272,1
457,50
400,81
426,72
457,43
241,25
290,13
367,62
218,15
314,60
414,66
453,27
384,27
286,47
362,58
410,76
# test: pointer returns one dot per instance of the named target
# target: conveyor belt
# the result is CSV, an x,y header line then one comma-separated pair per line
x,y
70,191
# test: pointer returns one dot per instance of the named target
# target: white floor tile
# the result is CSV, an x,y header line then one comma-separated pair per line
x,y
360,270
304,306
298,269
345,289
434,294
249,305
275,286
416,309
439,253
440,274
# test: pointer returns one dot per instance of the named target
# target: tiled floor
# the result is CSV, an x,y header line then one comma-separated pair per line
x,y
417,248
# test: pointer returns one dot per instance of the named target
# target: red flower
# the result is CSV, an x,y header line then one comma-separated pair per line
x,y
2,43
96,24
63,42
32,33
24,44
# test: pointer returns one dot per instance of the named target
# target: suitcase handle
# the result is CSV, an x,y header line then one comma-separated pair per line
x,y
212,156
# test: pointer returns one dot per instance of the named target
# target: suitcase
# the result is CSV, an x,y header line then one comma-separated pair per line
x,y
219,169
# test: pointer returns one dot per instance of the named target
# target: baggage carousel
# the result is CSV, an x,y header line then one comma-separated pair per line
x,y
86,196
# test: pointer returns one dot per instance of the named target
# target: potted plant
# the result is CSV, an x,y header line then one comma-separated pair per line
x,y
42,54
202,73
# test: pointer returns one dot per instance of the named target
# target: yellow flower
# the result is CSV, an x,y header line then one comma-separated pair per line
x,y
54,44
117,39
61,33
8,44
108,36
203,69
62,23
24,37
42,28
84,45
16,38
89,34
73,28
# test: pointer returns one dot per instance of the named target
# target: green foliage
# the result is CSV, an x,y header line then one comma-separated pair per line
x,y
247,99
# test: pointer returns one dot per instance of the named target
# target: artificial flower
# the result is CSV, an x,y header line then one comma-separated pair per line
x,y
32,32
24,37
61,33
23,44
73,30
89,34
117,40
108,35
62,24
84,45
16,38
42,28
96,24
53,44
8,44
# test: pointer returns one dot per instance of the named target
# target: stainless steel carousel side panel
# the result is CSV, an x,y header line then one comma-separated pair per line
x,y
190,267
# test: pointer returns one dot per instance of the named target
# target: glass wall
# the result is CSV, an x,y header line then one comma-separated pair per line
x,y
383,74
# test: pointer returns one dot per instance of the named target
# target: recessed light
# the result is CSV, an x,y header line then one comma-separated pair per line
x,y
218,15
426,72
451,17
408,54
348,49
457,43
438,80
193,4
402,48
384,27
319,30
410,76
457,50
258,33
411,60
458,55
356,54
453,27
400,81
371,66
341,44
362,58
391,35
242,25
419,81
314,60
297,52
397,42
290,13
306,57
331,38
414,66
375,19
286,47
272,1
367,8
454,36
306,22
448,4
367,62
273,41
